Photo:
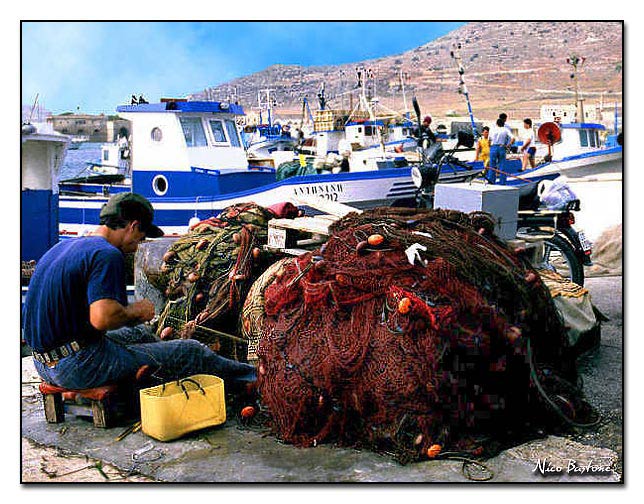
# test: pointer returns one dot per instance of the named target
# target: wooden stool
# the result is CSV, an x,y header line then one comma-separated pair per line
x,y
58,400
103,403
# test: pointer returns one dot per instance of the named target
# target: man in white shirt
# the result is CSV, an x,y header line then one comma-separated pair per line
x,y
500,139
528,148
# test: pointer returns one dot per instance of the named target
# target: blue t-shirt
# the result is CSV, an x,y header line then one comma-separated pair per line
x,y
68,278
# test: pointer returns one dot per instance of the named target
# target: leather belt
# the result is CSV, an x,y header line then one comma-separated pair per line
x,y
52,357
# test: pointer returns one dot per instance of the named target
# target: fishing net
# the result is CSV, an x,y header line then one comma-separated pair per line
x,y
207,273
407,331
295,169
253,314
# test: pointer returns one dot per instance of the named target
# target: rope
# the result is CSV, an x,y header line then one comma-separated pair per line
x,y
501,172
208,330
535,379
468,463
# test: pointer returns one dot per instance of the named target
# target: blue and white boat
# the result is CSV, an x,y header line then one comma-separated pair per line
x,y
268,140
581,152
42,152
188,159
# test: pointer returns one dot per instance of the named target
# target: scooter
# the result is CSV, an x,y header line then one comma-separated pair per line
x,y
566,250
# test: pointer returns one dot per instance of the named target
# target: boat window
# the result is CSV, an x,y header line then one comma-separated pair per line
x,y
368,130
156,134
217,131
106,155
594,141
233,134
583,138
160,185
193,131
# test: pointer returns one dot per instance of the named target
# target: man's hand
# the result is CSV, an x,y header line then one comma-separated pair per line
x,y
108,314
145,309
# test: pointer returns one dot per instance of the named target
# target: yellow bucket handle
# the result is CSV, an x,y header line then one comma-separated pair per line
x,y
183,388
185,391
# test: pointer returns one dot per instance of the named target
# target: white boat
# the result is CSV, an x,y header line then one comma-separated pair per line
x,y
187,158
77,141
42,154
268,142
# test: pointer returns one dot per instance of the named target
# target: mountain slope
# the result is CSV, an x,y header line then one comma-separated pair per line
x,y
514,66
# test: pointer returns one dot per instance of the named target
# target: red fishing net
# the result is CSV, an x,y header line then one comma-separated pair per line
x,y
408,329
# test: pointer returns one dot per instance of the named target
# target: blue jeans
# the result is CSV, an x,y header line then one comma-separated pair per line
x,y
121,353
497,160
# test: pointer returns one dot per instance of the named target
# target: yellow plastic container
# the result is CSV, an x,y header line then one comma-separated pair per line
x,y
173,409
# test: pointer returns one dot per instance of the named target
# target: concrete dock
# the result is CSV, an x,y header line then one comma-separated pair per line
x,y
232,454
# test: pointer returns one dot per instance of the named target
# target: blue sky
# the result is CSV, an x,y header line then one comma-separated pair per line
x,y
95,66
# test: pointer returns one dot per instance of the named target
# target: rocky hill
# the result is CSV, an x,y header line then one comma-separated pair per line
x,y
514,66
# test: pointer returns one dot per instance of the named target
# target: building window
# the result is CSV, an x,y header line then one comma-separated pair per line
x,y
193,132
156,134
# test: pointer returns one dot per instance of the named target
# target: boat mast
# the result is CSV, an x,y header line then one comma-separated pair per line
x,y
462,88
267,105
402,85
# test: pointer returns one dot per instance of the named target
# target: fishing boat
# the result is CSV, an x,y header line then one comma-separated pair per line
x,y
268,142
368,129
188,159
42,152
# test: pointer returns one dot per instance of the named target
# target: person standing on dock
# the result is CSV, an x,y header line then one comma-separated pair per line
x,y
528,148
79,324
483,147
500,140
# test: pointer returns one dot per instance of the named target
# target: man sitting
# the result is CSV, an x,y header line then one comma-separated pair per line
x,y
79,324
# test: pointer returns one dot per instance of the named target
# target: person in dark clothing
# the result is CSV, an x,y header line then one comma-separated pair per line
x,y
79,324
425,131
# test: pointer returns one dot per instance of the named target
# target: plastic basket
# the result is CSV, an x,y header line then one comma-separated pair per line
x,y
176,408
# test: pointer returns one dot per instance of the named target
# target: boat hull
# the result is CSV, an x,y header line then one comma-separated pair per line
x,y
592,163
390,187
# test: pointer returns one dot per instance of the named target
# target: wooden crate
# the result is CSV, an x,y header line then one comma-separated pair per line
x,y
302,234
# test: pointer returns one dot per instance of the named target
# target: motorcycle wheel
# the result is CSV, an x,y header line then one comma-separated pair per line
x,y
559,256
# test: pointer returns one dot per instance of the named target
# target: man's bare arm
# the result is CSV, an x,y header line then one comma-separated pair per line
x,y
108,314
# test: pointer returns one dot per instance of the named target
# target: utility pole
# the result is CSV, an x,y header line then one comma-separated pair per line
x,y
577,62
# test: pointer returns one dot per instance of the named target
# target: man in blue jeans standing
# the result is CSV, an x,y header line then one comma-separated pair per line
x,y
500,139
79,324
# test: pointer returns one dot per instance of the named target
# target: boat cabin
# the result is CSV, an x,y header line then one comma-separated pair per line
x,y
176,146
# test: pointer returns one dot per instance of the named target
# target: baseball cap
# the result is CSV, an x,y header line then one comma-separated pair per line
x,y
132,206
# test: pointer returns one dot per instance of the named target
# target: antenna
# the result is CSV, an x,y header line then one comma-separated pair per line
x,y
31,113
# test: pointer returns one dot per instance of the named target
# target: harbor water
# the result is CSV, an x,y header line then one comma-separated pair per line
x,y
76,159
